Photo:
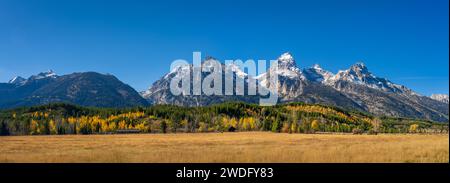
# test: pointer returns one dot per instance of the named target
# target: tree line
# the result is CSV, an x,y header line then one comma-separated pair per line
x,y
61,118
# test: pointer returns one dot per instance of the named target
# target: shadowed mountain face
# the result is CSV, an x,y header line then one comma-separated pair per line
x,y
355,88
86,89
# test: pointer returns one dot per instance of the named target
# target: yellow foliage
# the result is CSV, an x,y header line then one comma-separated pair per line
x,y
293,127
247,123
122,125
315,125
183,122
34,127
104,127
202,127
321,110
413,128
141,127
233,122
112,126
52,127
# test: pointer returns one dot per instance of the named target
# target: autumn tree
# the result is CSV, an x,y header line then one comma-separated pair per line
x,y
293,128
34,128
413,128
315,125
276,126
52,127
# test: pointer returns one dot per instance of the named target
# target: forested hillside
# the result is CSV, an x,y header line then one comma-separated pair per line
x,y
61,118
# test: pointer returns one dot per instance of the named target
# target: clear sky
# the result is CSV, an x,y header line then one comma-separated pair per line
x,y
406,41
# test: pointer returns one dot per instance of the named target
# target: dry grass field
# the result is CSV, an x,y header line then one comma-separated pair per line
x,y
226,147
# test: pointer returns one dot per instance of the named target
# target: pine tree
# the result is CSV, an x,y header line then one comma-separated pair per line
x,y
163,126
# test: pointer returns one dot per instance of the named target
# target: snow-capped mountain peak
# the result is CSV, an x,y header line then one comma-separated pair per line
x,y
359,66
286,66
17,80
286,61
286,56
360,74
48,74
357,73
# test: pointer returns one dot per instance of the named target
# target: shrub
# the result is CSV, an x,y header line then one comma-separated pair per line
x,y
357,131
372,132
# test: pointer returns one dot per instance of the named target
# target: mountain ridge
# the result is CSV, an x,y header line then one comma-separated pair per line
x,y
355,88
82,88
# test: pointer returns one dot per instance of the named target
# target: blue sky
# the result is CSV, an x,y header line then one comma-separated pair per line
x,y
405,41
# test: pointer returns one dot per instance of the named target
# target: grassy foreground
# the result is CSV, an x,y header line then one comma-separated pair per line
x,y
226,147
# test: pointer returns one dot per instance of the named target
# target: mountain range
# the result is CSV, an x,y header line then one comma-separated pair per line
x,y
355,88
86,89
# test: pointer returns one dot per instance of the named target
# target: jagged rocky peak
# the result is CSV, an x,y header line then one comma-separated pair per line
x,y
440,97
360,67
286,67
286,61
358,73
47,74
287,56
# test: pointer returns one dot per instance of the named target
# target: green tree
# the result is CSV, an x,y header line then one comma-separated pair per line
x,y
3,129
164,126
276,126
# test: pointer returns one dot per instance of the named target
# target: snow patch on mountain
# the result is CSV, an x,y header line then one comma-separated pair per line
x,y
360,74
440,97
48,74
236,69
17,80
317,74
